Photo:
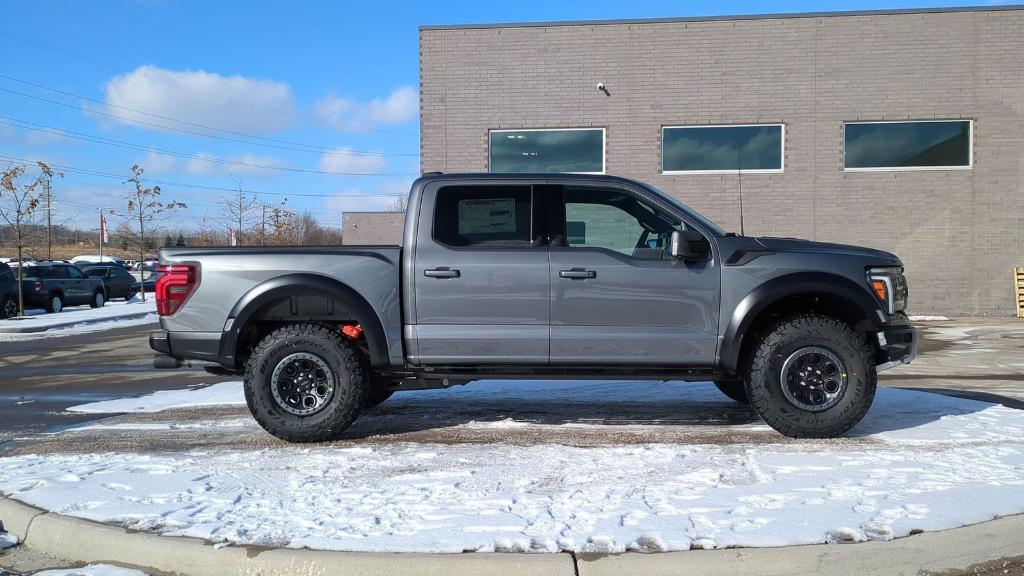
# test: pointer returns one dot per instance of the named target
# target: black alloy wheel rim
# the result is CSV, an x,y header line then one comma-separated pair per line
x,y
302,384
814,379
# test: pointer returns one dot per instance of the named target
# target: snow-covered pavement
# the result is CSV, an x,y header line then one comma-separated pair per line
x,y
919,461
116,314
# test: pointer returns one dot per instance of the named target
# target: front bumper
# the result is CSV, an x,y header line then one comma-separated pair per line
x,y
896,346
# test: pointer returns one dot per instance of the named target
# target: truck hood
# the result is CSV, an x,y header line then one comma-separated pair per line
x,y
882,257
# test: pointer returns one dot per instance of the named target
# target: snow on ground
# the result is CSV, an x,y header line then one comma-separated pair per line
x,y
927,318
225,393
82,319
918,461
7,540
92,570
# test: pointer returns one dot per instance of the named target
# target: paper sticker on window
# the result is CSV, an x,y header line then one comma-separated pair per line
x,y
487,216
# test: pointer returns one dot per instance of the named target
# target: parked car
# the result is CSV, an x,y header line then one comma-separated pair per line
x,y
91,259
54,286
540,276
8,291
118,282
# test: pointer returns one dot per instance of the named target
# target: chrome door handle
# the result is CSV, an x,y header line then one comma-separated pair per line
x,y
442,272
577,274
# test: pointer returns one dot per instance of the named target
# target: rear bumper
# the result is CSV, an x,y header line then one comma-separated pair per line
x,y
896,346
186,345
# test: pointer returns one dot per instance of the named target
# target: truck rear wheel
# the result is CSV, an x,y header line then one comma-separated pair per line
x,y
811,377
305,383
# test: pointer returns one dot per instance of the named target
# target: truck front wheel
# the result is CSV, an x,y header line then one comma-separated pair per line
x,y
811,377
305,383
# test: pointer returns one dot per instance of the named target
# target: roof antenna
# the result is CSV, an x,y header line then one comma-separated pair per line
x,y
739,180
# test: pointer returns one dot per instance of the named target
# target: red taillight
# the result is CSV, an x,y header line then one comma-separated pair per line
x,y
173,289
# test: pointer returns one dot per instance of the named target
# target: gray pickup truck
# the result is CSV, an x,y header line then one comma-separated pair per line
x,y
540,276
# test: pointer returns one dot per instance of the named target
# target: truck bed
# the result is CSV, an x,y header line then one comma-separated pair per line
x,y
230,275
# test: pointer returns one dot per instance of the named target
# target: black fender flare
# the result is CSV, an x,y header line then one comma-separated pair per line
x,y
351,306
770,292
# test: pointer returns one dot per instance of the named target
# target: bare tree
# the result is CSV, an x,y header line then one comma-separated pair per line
x,y
399,205
243,213
20,209
282,225
145,206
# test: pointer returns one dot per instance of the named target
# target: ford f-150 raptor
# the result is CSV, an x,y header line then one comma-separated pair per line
x,y
540,276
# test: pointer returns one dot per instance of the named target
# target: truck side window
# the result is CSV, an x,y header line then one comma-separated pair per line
x,y
617,221
483,216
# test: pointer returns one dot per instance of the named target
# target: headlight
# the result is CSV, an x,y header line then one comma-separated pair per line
x,y
890,286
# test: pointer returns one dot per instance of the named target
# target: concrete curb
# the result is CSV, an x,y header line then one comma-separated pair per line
x,y
36,329
85,541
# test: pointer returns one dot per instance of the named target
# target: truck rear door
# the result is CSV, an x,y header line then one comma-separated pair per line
x,y
481,282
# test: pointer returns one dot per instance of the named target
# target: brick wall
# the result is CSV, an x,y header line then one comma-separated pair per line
x,y
958,232
362,228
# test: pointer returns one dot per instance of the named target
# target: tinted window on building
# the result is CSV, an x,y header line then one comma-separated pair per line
x,y
490,216
721,148
547,150
907,144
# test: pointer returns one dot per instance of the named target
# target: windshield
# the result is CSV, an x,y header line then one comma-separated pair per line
x,y
708,224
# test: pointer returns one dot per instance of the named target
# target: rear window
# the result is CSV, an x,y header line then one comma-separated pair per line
x,y
33,272
492,216
96,272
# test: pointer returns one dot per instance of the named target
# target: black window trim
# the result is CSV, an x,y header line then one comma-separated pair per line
x,y
533,213
970,146
782,150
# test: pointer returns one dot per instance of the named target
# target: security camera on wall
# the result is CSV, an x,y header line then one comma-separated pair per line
x,y
600,86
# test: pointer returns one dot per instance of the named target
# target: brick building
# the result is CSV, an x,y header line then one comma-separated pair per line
x,y
902,130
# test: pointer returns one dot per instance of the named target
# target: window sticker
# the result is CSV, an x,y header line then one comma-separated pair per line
x,y
492,215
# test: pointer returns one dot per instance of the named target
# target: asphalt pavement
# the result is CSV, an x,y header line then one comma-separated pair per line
x,y
41,377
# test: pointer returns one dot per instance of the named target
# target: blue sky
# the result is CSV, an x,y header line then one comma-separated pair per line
x,y
298,96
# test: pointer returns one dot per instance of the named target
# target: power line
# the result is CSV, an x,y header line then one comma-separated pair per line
x,y
26,125
280,144
122,177
121,70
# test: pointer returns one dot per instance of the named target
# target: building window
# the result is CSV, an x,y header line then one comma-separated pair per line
x,y
555,150
917,145
722,149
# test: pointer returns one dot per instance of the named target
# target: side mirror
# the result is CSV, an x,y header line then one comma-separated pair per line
x,y
688,245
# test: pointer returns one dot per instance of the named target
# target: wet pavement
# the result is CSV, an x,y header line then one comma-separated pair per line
x,y
40,377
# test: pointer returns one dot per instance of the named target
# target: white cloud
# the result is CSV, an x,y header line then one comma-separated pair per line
x,y
402,105
7,133
157,163
232,103
342,160
209,165
381,199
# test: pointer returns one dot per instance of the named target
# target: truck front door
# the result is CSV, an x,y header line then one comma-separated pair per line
x,y
480,276
617,296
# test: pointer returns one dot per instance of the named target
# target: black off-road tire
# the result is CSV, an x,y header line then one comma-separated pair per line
x,y
734,389
764,379
350,383
99,299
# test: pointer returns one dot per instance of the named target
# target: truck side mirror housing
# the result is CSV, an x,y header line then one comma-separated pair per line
x,y
688,245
